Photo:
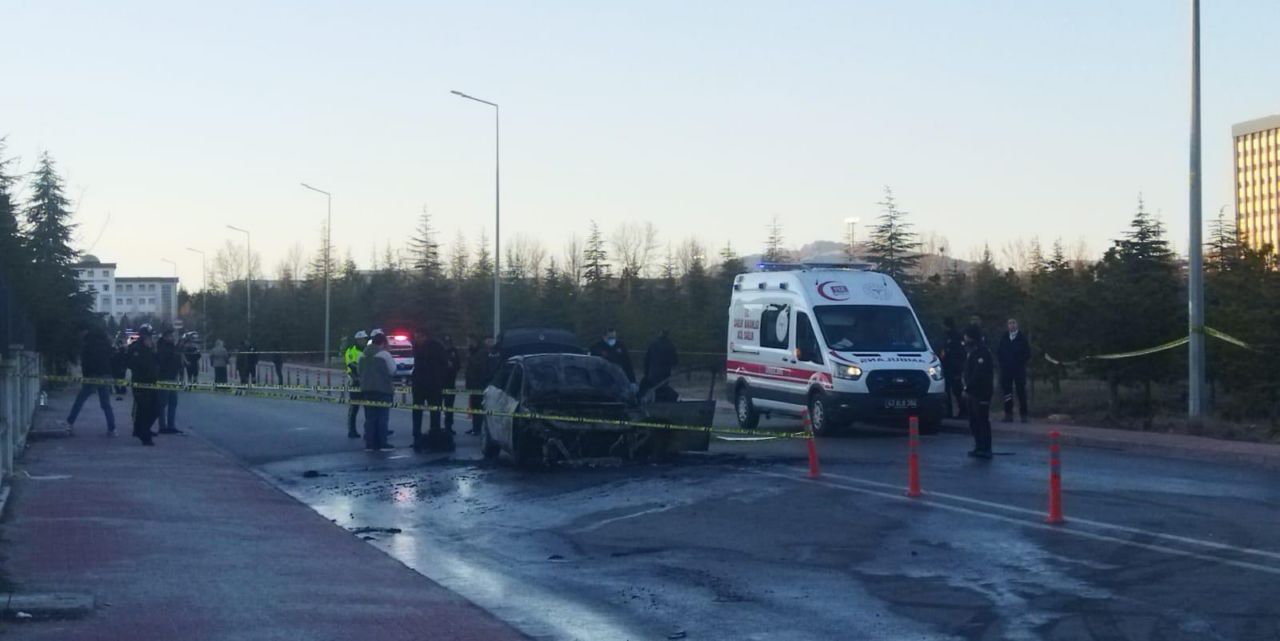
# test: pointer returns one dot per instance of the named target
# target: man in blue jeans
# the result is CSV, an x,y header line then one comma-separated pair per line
x,y
377,369
95,363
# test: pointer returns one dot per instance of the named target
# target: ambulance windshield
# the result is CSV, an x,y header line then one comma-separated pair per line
x,y
869,328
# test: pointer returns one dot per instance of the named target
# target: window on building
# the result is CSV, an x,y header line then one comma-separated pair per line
x,y
152,287
119,301
106,301
151,301
128,301
106,288
106,274
128,288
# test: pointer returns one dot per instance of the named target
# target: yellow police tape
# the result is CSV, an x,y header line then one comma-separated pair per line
x,y
1177,342
291,394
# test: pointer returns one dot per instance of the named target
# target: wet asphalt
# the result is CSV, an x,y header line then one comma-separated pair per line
x,y
738,543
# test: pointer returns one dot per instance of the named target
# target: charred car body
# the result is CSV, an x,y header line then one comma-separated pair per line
x,y
551,402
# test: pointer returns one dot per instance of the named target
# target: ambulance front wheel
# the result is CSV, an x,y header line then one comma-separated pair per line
x,y
748,417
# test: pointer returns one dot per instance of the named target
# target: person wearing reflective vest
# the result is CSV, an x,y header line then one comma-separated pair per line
x,y
351,359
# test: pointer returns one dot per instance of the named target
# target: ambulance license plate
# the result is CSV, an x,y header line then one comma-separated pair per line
x,y
900,403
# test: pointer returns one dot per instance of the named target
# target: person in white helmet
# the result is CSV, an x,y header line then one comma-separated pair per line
x,y
351,359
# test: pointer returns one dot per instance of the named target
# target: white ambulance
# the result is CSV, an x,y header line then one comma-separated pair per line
x,y
842,342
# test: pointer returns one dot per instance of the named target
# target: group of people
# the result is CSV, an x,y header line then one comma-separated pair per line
x,y
436,364
147,361
969,369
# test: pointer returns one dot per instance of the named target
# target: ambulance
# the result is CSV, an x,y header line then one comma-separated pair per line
x,y
839,341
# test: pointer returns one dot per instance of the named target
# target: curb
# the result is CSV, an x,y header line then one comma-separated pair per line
x,y
46,605
1147,443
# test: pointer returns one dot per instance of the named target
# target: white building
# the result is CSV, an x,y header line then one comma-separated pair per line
x,y
127,296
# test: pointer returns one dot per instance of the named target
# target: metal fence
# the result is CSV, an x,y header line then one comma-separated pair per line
x,y
19,394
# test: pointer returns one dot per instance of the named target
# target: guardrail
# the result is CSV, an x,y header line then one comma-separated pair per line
x,y
20,373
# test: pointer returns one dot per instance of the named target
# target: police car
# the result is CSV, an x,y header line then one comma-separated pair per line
x,y
401,348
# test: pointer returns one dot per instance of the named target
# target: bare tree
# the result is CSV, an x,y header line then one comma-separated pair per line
x,y
459,257
292,265
933,254
1016,253
229,265
572,260
525,256
689,252
635,245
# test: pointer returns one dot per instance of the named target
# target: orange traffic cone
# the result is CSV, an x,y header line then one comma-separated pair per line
x,y
913,457
815,470
1055,481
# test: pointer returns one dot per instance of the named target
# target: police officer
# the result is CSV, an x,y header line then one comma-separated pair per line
x,y
430,374
351,359
953,357
659,361
169,369
978,374
145,370
477,377
453,362
611,349
1014,352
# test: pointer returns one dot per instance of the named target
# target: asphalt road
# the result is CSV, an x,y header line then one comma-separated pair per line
x,y
739,544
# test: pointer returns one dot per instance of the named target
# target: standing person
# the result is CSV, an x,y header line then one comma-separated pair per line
x,y
1014,352
453,362
975,321
191,358
659,361
377,371
119,367
978,386
95,363
611,349
430,369
351,358
476,381
953,357
169,369
145,373
219,358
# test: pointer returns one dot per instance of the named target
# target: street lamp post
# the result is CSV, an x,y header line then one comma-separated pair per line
x,y
204,296
174,265
328,236
497,211
853,228
248,281
1195,248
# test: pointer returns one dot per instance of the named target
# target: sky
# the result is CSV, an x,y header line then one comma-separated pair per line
x,y
992,121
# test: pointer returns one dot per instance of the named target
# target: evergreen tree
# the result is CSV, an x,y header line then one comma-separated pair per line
x,y
323,262
424,249
58,306
13,252
774,252
483,265
459,258
595,258
893,246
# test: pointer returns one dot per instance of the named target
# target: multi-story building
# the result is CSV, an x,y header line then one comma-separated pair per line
x,y
1257,170
121,296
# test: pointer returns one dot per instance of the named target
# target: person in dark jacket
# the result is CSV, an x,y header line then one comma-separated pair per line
x,y
191,359
95,363
145,371
430,374
953,357
453,362
169,368
611,349
1014,352
477,377
277,361
119,366
659,361
978,374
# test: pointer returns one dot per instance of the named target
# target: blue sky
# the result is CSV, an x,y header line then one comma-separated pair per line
x,y
992,121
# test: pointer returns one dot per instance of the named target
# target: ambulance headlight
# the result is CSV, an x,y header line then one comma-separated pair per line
x,y
935,372
849,372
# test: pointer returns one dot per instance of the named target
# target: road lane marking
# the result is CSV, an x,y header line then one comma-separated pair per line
x,y
1226,547
609,521
1064,529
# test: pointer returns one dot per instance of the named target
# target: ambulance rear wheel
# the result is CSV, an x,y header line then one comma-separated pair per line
x,y
748,417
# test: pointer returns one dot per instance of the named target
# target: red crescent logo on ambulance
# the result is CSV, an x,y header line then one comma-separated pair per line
x,y
831,290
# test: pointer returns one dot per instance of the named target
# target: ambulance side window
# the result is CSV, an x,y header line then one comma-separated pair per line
x,y
775,326
806,341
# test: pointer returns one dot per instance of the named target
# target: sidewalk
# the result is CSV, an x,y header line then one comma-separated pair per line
x,y
178,541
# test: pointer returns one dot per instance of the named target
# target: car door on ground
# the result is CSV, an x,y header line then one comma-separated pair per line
x,y
497,401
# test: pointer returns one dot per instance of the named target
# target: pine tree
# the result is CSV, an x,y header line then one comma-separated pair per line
x,y
459,258
483,265
58,304
424,249
323,262
595,258
13,252
893,246
774,252
730,263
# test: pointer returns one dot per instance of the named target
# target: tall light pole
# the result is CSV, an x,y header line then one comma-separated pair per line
x,y
204,296
1195,249
328,236
497,211
853,227
248,281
